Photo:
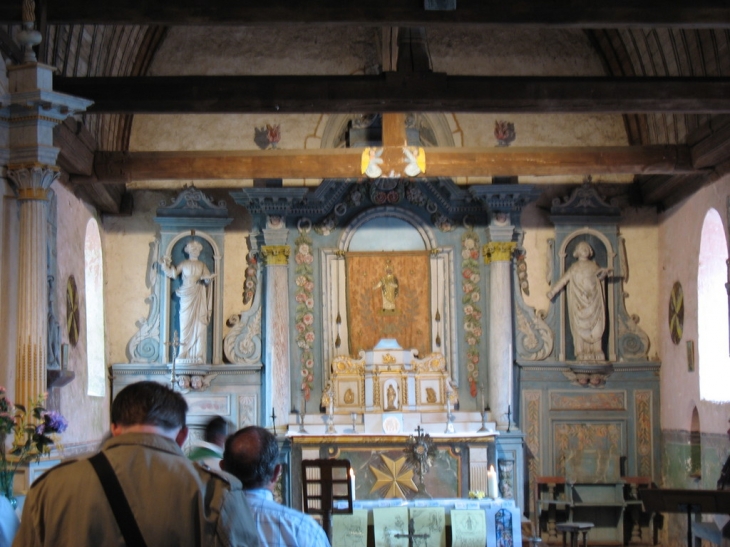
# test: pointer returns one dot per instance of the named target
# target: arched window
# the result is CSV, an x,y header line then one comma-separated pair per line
x,y
94,283
712,311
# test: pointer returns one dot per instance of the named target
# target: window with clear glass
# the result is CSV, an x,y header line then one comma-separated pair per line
x,y
712,311
94,283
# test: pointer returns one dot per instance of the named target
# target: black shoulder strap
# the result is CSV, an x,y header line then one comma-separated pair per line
x,y
117,501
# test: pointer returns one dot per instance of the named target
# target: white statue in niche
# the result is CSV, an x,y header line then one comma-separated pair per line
x,y
196,303
586,303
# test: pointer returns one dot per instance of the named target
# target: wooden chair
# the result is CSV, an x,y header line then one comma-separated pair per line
x,y
327,490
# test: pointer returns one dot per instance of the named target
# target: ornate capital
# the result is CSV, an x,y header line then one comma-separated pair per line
x,y
498,251
32,181
276,255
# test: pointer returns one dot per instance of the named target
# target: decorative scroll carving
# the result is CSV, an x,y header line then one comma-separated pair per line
x,y
144,346
534,339
348,365
533,335
633,343
431,363
242,344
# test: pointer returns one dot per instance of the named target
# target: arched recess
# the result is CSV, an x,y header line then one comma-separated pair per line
x,y
389,229
712,311
94,291
603,254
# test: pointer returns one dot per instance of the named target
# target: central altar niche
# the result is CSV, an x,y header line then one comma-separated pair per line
x,y
390,379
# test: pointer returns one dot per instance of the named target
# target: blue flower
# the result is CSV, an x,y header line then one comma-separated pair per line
x,y
53,422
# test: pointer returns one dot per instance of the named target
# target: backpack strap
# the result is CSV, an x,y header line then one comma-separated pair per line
x,y
118,501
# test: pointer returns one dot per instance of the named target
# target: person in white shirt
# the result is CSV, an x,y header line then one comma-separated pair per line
x,y
251,456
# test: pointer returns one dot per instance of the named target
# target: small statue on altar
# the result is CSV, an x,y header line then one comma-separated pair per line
x,y
195,302
391,395
388,286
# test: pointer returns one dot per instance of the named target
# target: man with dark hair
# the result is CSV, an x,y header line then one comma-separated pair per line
x,y
251,456
209,451
161,499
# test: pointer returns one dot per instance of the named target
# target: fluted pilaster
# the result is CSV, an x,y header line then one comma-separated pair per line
x,y
498,254
33,109
32,326
277,330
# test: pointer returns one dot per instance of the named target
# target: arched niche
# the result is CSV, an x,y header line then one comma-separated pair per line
x,y
389,230
191,215
603,256
211,257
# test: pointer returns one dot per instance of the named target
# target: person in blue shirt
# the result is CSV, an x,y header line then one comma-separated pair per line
x,y
251,456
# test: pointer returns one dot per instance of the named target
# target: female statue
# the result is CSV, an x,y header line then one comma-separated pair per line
x,y
586,303
195,302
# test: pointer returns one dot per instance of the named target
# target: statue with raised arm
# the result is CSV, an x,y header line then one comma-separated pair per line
x,y
586,303
195,295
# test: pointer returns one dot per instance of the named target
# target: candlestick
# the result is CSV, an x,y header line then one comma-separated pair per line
x,y
492,486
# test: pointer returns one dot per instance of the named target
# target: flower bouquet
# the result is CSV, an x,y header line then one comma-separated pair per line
x,y
32,437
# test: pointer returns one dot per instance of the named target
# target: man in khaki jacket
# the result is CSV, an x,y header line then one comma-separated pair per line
x,y
173,501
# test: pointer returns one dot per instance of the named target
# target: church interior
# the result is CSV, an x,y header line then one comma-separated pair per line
x,y
493,231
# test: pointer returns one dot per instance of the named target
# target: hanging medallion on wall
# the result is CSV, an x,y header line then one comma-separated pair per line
x,y
72,311
676,312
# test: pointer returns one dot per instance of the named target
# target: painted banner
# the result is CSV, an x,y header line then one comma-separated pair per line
x,y
389,296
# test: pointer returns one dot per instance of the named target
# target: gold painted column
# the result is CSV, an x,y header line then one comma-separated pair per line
x,y
498,255
32,325
33,109
277,381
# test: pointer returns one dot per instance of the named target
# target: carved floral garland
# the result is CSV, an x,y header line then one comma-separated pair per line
x,y
305,309
472,313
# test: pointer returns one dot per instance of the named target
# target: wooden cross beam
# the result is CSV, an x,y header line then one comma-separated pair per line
x,y
112,167
489,13
397,92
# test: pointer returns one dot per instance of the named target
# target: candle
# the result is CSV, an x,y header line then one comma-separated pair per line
x,y
492,487
352,482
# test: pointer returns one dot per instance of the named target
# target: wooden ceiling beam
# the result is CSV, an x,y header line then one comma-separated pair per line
x,y
495,13
398,92
116,167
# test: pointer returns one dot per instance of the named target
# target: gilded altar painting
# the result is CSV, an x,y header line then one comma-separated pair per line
x,y
389,296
